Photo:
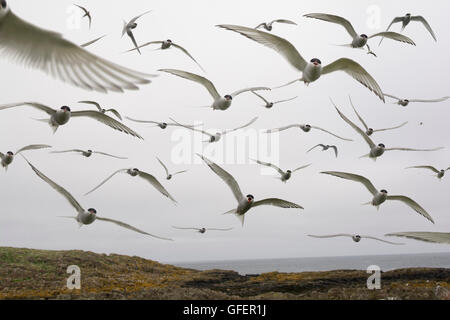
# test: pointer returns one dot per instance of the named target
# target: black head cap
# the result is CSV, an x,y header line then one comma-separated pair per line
x,y
65,108
91,210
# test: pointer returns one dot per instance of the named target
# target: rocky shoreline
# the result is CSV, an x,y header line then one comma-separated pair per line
x,y
40,274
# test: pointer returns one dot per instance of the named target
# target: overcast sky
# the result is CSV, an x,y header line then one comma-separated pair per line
x,y
29,207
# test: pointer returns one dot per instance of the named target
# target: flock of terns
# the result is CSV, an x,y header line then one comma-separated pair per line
x,y
49,52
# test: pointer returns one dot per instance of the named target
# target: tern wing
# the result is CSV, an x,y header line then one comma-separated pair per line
x,y
142,121
242,127
129,227
331,236
394,36
334,19
434,237
357,72
92,103
84,45
277,203
217,229
280,45
286,100
261,97
410,149
116,113
397,127
426,24
413,205
145,45
188,54
39,106
430,100
395,20
155,183
270,165
425,167
226,177
163,165
33,147
135,18
283,21
356,128
335,135
357,114
378,239
235,94
109,155
391,96
196,78
302,167
284,128
106,180
49,52
107,120
354,177
58,188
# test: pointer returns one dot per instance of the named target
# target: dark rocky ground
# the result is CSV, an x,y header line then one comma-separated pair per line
x,y
39,274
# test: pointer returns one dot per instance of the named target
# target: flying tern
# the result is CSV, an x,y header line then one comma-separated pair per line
x,y
48,51
313,70
359,40
85,217
8,158
218,135
64,114
284,175
137,173
379,197
220,103
355,237
169,176
245,203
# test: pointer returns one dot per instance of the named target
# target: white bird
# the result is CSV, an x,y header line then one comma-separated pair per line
x,y
169,175
220,103
203,230
270,104
64,114
87,44
285,175
305,128
144,175
166,44
376,151
434,237
48,51
370,131
85,217
406,102
104,111
379,197
355,237
86,14
269,25
245,203
405,20
440,173
163,125
359,40
218,135
8,158
313,70
88,153
325,148
128,29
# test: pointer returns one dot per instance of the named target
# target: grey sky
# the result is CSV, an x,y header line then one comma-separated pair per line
x,y
29,207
